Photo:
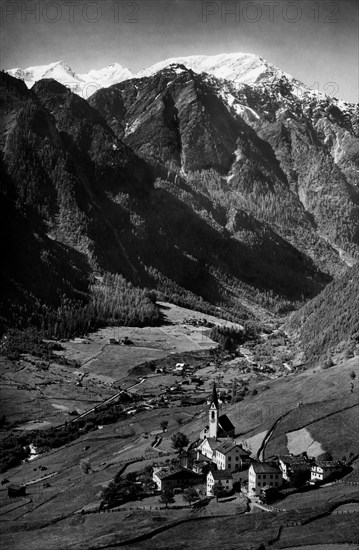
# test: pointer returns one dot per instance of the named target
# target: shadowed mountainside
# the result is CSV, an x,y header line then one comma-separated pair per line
x,y
180,182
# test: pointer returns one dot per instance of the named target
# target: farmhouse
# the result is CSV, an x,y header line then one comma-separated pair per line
x,y
323,470
223,476
262,474
181,477
295,467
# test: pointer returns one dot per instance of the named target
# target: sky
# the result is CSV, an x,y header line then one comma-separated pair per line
x,y
315,41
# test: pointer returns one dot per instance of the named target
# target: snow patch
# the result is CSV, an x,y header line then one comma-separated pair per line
x,y
132,127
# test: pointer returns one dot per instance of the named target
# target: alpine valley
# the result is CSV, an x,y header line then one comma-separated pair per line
x,y
204,214
218,181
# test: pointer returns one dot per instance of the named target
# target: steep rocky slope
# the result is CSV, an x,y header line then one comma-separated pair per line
x,y
267,150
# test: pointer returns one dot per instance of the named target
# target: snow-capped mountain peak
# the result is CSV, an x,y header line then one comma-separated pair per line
x,y
241,68
238,68
82,84
108,75
59,70
56,70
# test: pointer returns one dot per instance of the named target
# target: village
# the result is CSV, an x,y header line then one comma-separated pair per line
x,y
220,461
215,465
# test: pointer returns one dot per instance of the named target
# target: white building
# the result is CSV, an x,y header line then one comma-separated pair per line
x,y
322,470
208,447
230,456
262,474
223,476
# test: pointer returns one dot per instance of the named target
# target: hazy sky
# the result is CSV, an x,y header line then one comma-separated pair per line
x,y
315,41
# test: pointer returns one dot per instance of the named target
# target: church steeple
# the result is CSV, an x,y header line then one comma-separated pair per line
x,y
213,413
214,399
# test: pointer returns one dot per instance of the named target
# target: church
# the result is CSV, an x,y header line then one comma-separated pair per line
x,y
219,425
218,444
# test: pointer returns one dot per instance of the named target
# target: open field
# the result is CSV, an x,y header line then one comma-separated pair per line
x,y
252,443
248,532
317,497
300,441
116,361
96,355
177,336
29,393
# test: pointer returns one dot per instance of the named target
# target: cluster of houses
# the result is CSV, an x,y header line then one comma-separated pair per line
x,y
187,372
125,341
218,458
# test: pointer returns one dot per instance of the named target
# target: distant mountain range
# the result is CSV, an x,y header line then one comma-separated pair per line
x,y
220,178
239,68
82,84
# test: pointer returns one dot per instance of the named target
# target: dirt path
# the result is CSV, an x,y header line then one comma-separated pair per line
x,y
94,356
262,448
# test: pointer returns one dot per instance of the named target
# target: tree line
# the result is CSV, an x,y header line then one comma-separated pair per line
x,y
111,301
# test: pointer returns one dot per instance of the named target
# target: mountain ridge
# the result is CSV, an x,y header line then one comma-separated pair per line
x,y
189,184
280,120
238,67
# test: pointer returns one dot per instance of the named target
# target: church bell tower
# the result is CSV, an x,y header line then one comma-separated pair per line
x,y
213,413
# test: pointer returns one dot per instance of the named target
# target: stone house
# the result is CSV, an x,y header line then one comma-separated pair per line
x,y
179,478
223,476
295,467
263,474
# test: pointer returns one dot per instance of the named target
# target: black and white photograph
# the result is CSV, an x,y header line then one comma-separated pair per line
x,y
179,274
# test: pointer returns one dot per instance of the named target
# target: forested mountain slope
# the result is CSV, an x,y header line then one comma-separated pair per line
x,y
330,322
181,182
289,161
